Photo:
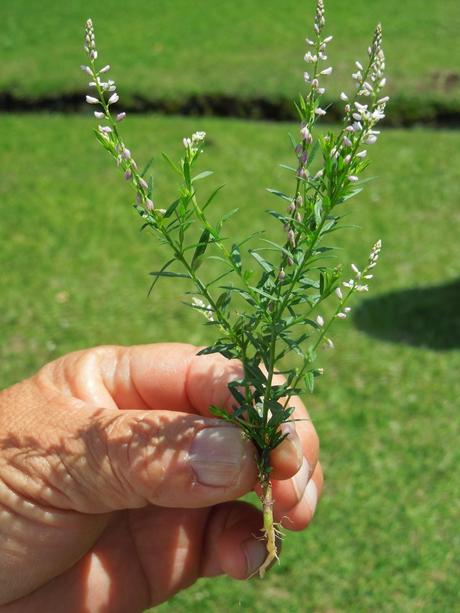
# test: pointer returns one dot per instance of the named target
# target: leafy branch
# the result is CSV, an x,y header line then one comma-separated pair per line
x,y
265,300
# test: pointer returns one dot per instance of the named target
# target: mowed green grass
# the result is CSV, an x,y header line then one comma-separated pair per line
x,y
74,274
164,48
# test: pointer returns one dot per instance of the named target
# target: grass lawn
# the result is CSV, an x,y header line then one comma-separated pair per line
x,y
74,274
245,48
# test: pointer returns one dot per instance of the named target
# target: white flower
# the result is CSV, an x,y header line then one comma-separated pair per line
x,y
329,344
291,237
320,321
320,112
92,100
104,69
99,114
353,178
362,288
361,154
327,71
343,96
306,134
87,69
338,293
341,316
370,139
319,174
113,98
198,137
206,310
355,269
310,58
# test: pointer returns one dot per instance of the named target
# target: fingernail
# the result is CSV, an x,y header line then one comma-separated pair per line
x,y
255,554
217,455
300,479
311,495
293,438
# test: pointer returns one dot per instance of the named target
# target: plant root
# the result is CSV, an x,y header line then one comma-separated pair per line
x,y
271,531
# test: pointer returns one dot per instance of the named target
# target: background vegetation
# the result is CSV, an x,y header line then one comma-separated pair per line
x,y
73,267
171,50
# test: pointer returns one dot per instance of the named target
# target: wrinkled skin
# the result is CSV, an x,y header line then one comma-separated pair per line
x,y
107,503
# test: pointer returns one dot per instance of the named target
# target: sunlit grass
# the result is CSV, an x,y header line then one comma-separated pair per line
x,y
74,274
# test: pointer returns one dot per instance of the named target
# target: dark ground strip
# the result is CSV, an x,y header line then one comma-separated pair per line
x,y
401,112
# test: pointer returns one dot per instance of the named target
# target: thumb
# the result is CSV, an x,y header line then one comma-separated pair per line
x,y
128,459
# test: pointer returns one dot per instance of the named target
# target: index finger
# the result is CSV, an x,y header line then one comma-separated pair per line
x,y
160,376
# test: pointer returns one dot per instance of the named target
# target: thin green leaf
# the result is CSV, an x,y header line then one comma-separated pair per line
x,y
211,197
146,167
202,175
171,208
171,163
261,261
235,256
163,269
309,380
276,192
186,171
164,273
200,250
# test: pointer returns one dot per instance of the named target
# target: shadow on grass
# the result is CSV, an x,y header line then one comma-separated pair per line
x,y
423,317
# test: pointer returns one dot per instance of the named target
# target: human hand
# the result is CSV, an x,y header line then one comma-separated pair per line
x,y
117,489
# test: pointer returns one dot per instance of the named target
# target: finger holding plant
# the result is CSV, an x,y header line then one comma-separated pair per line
x,y
266,303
